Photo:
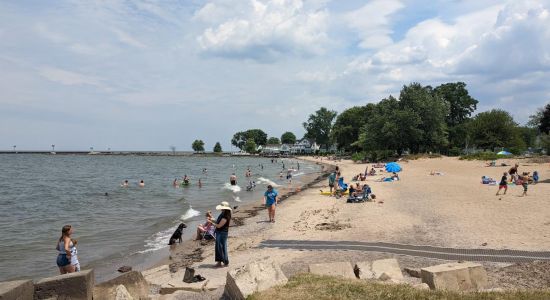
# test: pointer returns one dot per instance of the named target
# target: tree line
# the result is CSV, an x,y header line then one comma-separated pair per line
x,y
427,119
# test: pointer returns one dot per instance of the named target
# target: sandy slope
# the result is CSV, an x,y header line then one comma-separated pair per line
x,y
453,210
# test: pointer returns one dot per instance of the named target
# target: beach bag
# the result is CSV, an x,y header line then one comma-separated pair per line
x,y
189,275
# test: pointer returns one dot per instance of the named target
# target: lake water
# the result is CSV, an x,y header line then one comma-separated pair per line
x,y
41,193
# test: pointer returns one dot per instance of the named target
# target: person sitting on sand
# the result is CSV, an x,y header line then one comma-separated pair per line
x,y
535,177
362,177
141,183
394,176
435,173
503,184
372,172
206,228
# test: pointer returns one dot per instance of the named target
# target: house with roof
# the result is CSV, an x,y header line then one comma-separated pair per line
x,y
304,146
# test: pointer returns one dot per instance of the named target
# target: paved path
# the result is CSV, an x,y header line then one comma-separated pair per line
x,y
491,255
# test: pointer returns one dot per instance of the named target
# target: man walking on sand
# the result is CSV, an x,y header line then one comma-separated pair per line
x,y
331,180
270,201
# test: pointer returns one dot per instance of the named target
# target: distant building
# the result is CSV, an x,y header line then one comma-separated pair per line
x,y
304,146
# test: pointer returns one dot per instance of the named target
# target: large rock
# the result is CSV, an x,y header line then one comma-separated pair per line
x,y
133,282
383,269
75,286
455,276
339,269
16,290
256,276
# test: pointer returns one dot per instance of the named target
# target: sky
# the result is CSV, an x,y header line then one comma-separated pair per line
x,y
150,74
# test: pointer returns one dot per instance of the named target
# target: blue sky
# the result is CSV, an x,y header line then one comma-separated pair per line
x,y
146,74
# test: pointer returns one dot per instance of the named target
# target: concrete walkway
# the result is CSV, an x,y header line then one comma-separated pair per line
x,y
488,255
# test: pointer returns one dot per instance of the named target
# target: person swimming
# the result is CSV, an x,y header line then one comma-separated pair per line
x,y
125,183
175,183
185,179
233,179
141,183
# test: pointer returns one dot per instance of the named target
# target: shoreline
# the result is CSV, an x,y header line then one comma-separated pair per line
x,y
191,251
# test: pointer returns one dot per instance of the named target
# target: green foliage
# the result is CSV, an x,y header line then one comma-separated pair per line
x,y
250,146
217,148
482,156
461,104
273,140
288,138
240,138
455,151
358,156
319,125
198,146
544,124
345,131
431,112
495,129
545,142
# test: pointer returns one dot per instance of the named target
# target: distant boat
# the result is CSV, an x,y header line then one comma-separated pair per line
x,y
94,152
53,153
240,153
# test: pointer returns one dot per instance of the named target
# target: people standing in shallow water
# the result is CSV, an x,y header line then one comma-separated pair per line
x,y
233,179
64,248
222,231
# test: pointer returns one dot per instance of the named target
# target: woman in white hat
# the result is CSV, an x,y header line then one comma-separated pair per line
x,y
222,231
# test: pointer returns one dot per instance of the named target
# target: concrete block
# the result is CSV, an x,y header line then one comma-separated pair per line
x,y
340,269
455,276
122,293
383,269
134,283
256,276
75,286
16,290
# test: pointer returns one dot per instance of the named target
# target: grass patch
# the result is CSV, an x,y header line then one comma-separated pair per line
x,y
309,286
484,156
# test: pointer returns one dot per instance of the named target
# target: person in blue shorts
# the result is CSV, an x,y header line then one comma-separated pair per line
x,y
270,201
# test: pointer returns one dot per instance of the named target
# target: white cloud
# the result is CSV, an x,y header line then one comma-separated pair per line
x,y
128,39
264,30
68,77
372,22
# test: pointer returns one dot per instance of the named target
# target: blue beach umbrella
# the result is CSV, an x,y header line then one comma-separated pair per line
x,y
504,153
393,167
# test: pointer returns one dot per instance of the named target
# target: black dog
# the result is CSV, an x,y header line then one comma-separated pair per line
x,y
176,237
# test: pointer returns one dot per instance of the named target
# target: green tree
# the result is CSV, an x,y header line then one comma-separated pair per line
x,y
273,140
544,121
240,138
250,146
198,146
217,148
495,129
345,131
390,128
431,111
318,126
461,104
288,138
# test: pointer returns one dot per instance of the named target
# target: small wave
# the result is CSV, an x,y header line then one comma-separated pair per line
x,y
298,174
233,188
266,181
190,213
158,240
236,198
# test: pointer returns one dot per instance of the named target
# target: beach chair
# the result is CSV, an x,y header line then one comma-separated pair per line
x,y
210,234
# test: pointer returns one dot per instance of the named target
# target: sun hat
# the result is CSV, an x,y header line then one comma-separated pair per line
x,y
223,205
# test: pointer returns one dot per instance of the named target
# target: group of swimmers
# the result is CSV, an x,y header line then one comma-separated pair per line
x,y
126,184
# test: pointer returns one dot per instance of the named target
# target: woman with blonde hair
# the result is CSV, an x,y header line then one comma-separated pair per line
x,y
65,247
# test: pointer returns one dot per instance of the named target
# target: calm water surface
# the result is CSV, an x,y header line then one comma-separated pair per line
x,y
41,193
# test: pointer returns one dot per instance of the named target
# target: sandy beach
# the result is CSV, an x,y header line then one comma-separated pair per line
x,y
449,210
